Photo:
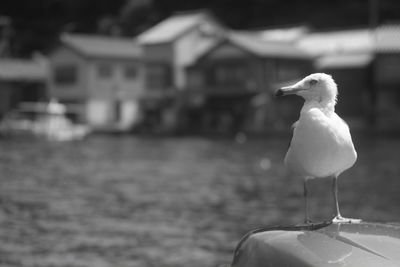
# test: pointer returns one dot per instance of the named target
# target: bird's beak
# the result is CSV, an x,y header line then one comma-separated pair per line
x,y
288,90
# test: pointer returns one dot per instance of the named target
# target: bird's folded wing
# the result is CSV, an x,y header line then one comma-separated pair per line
x,y
294,125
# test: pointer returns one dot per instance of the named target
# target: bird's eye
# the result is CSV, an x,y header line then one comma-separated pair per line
x,y
313,81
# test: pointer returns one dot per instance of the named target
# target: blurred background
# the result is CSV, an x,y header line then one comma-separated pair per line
x,y
145,132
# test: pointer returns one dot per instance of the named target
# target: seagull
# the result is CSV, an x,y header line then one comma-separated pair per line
x,y
321,146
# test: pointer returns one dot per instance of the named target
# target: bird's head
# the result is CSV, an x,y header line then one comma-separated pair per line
x,y
318,87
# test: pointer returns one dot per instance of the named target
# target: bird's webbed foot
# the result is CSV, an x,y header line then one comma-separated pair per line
x,y
340,219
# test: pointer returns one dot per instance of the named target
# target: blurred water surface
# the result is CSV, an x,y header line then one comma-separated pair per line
x,y
129,201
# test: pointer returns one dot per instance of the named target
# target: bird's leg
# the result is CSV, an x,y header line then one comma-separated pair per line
x,y
335,198
338,217
305,194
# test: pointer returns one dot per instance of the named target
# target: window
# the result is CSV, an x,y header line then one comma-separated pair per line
x,y
288,71
65,74
104,70
158,76
229,74
195,78
130,71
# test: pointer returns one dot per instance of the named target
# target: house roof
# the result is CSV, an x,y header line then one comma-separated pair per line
x,y
173,27
102,46
290,34
344,61
388,38
344,41
22,70
254,43
201,49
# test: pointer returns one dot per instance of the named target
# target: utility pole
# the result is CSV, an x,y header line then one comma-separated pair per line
x,y
5,36
373,17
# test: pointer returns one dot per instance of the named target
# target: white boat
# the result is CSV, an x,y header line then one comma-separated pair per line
x,y
48,120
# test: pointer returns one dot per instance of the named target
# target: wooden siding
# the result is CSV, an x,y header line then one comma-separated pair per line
x,y
90,84
387,68
187,46
117,85
77,90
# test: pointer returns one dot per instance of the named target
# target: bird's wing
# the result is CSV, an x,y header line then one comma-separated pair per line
x,y
294,125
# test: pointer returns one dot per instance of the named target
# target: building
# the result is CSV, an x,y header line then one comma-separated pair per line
x,y
168,49
101,77
202,76
348,56
22,80
387,76
190,73
364,63
237,78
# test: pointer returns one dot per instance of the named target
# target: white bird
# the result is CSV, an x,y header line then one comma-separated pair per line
x,y
321,145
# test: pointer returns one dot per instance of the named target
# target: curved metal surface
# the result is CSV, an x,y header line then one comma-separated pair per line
x,y
324,244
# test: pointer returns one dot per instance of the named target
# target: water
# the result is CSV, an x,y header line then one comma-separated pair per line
x,y
129,201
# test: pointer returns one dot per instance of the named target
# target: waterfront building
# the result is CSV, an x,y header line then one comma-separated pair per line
x,y
100,76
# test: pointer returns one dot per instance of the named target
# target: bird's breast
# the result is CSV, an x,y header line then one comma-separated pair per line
x,y
321,146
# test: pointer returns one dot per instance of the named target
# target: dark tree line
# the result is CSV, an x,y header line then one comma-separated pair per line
x,y
36,24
